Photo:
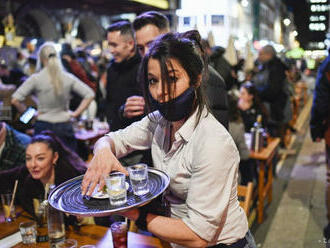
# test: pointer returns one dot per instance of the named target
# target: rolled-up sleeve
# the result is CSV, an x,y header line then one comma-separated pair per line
x,y
137,136
25,89
81,88
215,164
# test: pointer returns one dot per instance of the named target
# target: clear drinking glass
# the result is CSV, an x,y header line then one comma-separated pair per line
x,y
56,228
138,175
28,232
40,207
119,234
68,243
9,212
116,188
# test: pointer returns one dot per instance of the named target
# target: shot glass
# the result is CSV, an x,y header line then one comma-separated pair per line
x,y
119,234
116,188
9,212
138,175
28,232
68,243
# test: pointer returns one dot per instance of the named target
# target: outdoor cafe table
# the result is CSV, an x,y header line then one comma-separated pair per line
x,y
89,234
264,159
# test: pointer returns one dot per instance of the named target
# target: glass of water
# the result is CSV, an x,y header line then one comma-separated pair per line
x,y
28,232
138,175
116,188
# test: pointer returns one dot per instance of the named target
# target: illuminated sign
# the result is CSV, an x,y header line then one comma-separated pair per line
x,y
162,4
315,18
317,27
318,1
320,7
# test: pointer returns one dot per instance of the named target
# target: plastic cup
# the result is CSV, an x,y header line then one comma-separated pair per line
x,y
9,212
119,234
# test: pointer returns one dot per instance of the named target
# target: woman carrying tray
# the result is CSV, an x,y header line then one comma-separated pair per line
x,y
187,143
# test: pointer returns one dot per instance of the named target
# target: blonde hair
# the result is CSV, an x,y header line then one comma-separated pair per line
x,y
54,66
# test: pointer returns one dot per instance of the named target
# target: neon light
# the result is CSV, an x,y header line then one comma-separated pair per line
x,y
162,4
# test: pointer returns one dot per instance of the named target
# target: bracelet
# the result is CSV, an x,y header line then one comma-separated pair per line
x,y
141,221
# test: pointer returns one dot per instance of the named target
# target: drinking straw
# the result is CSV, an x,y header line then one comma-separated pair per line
x,y
46,191
13,196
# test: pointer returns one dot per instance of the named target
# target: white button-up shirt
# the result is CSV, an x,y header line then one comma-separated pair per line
x,y
202,165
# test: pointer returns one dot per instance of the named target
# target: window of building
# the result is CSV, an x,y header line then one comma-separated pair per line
x,y
217,20
186,20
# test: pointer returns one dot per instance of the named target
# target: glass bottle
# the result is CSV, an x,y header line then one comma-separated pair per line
x,y
257,135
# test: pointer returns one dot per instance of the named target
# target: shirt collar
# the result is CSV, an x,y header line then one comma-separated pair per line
x,y
188,127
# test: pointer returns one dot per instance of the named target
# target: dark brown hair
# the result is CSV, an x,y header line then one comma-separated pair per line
x,y
66,156
166,47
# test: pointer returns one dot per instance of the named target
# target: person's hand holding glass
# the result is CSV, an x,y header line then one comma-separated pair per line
x,y
103,162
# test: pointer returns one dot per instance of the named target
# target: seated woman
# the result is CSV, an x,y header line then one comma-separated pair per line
x,y
48,162
247,166
187,143
250,106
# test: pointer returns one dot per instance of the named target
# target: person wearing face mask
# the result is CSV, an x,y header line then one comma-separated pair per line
x,y
187,143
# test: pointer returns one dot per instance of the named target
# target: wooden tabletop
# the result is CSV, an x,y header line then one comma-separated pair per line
x,y
89,234
265,152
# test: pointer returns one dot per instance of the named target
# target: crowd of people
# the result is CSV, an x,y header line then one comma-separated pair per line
x,y
171,101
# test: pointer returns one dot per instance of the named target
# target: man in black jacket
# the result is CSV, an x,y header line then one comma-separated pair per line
x,y
270,82
124,101
122,77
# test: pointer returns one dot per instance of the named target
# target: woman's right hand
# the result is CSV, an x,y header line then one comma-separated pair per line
x,y
103,162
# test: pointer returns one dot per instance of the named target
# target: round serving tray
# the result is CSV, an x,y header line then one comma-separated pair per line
x,y
67,196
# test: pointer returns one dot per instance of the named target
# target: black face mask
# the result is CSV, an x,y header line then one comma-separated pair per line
x,y
177,108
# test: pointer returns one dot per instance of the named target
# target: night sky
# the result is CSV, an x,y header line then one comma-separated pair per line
x,y
300,9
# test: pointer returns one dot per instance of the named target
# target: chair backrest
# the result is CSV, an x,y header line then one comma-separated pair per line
x,y
245,192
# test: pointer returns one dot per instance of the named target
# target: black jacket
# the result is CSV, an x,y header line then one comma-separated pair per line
x,y
320,117
121,84
216,95
222,66
271,85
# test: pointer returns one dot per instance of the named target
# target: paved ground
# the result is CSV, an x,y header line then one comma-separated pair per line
x,y
296,216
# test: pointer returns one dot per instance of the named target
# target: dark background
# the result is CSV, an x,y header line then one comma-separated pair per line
x,y
301,12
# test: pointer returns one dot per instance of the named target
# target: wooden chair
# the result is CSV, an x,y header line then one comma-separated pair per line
x,y
246,193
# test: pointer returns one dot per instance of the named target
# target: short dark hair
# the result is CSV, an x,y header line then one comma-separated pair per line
x,y
124,27
171,46
153,18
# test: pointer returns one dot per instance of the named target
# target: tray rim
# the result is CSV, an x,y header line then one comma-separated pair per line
x,y
67,183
